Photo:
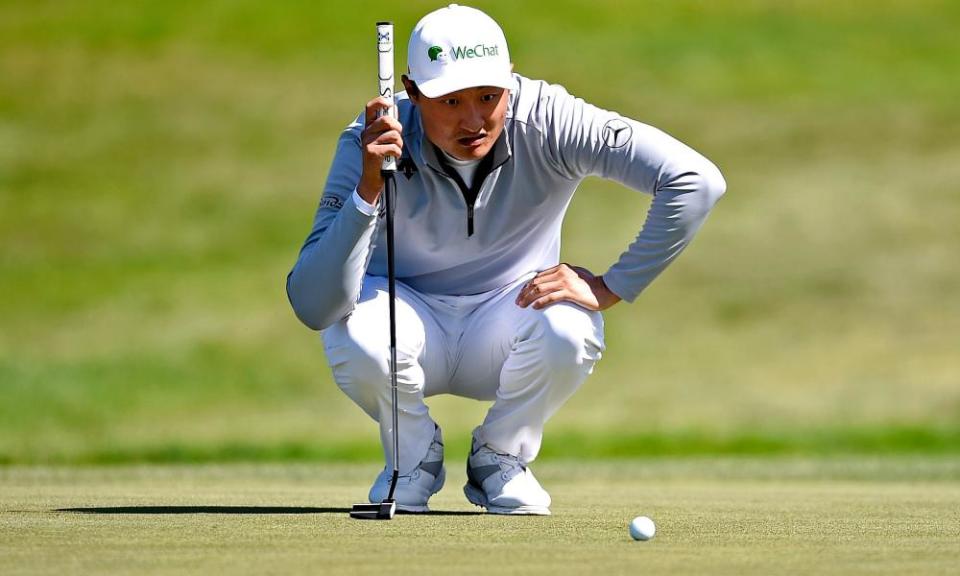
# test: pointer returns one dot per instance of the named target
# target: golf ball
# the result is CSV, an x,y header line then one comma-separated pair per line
x,y
642,528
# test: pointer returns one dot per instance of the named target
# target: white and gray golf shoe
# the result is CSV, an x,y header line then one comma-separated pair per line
x,y
414,489
502,484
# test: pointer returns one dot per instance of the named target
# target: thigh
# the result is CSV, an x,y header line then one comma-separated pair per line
x,y
367,328
485,344
497,328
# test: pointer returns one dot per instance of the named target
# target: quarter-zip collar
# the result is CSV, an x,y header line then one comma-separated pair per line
x,y
499,154
497,157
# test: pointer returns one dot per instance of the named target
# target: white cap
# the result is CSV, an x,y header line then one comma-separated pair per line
x,y
455,48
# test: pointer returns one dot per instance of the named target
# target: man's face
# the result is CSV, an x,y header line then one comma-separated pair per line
x,y
465,124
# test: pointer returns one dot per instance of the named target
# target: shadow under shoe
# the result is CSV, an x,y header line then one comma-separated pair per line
x,y
414,489
502,484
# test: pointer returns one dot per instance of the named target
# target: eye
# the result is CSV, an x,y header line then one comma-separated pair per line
x,y
451,101
489,97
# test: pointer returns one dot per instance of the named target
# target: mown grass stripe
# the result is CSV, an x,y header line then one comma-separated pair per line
x,y
862,441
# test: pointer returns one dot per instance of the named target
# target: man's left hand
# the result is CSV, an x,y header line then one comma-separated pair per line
x,y
570,284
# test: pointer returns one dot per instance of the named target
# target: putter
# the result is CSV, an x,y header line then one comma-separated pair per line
x,y
385,510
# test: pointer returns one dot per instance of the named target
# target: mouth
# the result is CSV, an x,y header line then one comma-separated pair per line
x,y
472,141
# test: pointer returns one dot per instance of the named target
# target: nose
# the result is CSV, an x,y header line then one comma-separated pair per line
x,y
472,119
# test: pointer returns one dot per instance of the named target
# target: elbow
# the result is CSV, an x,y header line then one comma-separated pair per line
x,y
310,317
698,182
309,308
306,311
712,183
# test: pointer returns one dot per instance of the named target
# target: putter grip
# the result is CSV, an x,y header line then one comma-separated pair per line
x,y
385,75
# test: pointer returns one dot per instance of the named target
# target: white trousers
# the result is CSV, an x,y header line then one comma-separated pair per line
x,y
529,362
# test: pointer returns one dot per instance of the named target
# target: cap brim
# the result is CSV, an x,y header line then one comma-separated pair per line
x,y
445,85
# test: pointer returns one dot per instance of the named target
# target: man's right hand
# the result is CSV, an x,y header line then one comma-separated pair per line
x,y
380,138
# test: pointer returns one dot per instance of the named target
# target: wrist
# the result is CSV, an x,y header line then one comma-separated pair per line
x,y
609,297
369,193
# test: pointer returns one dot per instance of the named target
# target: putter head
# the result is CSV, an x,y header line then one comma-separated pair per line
x,y
380,511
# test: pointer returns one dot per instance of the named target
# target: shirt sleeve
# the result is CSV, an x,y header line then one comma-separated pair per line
x,y
325,281
584,140
363,206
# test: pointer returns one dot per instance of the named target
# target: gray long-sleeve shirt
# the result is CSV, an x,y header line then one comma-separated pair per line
x,y
550,143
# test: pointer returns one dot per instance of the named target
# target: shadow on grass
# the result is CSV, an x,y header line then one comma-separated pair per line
x,y
238,510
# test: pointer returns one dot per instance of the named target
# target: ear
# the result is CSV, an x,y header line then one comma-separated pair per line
x,y
412,91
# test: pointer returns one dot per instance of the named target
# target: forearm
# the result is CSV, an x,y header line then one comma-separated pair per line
x,y
680,206
583,140
325,282
685,186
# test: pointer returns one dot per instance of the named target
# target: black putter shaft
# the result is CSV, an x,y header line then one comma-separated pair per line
x,y
389,188
386,509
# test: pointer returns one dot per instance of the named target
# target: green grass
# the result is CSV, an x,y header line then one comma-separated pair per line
x,y
717,516
160,163
841,442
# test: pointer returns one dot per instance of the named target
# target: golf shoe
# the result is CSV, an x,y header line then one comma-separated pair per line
x,y
502,484
414,489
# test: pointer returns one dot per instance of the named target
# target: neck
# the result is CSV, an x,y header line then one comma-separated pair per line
x,y
458,161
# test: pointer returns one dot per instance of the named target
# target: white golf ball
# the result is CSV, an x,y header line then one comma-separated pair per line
x,y
642,528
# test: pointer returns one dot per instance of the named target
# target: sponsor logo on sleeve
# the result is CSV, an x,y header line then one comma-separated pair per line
x,y
329,202
616,133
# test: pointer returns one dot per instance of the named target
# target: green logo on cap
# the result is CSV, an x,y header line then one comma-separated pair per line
x,y
478,51
434,52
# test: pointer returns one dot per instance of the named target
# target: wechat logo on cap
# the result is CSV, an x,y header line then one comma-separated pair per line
x,y
435,52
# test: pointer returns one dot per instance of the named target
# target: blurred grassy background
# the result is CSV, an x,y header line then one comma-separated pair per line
x,y
160,163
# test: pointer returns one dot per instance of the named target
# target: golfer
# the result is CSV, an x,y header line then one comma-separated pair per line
x,y
488,163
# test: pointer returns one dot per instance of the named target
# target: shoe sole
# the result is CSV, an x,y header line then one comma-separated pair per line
x,y
478,497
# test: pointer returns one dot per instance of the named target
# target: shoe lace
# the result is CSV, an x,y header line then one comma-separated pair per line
x,y
510,465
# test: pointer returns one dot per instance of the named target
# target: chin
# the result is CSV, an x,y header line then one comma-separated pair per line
x,y
468,153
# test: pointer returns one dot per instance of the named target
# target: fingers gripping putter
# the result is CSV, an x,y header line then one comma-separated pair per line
x,y
386,509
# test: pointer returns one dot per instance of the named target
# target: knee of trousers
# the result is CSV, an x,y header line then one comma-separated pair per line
x,y
569,338
358,351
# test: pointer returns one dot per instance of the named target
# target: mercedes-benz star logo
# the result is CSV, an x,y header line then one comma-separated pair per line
x,y
616,133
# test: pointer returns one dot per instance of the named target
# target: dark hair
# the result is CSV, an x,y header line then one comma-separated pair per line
x,y
412,90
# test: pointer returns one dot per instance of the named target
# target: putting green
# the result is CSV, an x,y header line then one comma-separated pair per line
x,y
716,516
